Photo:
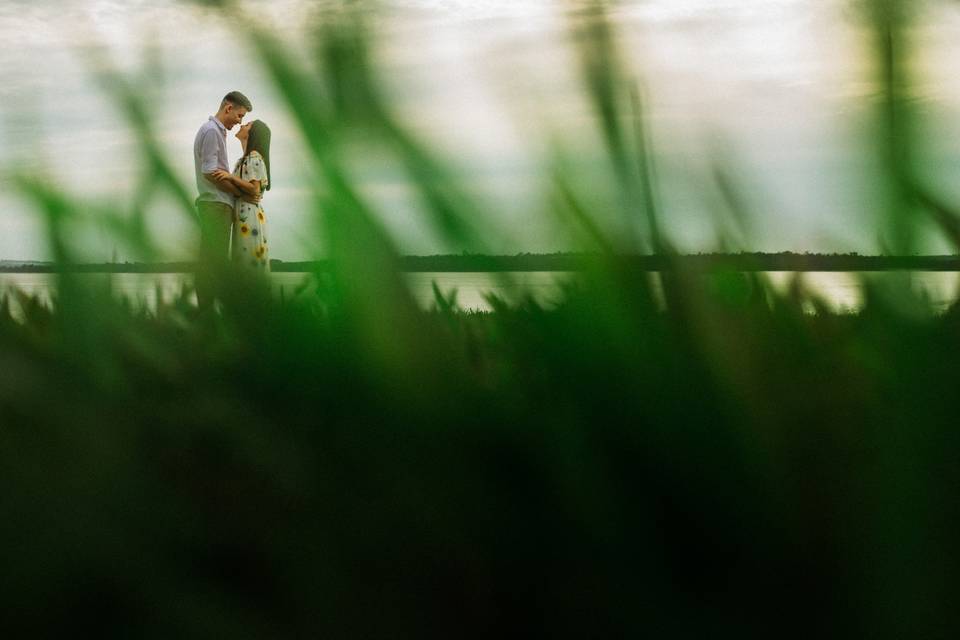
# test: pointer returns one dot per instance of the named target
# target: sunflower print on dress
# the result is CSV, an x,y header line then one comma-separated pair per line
x,y
249,229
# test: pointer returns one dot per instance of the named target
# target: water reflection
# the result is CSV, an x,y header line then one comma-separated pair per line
x,y
839,291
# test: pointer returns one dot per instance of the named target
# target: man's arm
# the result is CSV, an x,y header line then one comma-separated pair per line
x,y
249,191
247,187
209,145
222,183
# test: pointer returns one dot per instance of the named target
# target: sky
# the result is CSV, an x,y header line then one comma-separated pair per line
x,y
779,91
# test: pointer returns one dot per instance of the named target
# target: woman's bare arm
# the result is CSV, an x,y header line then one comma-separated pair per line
x,y
248,187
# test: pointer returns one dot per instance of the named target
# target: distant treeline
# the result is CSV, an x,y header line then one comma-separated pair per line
x,y
786,261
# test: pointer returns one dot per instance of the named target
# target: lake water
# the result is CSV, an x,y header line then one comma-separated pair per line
x,y
839,290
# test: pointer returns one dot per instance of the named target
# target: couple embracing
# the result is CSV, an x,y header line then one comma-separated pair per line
x,y
232,222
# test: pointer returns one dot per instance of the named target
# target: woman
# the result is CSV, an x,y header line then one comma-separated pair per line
x,y
252,176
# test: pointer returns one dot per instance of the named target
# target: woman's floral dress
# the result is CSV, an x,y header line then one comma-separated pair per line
x,y
249,224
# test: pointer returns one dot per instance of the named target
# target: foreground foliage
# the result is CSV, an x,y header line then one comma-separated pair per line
x,y
589,469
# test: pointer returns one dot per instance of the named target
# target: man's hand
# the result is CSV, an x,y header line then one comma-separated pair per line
x,y
251,199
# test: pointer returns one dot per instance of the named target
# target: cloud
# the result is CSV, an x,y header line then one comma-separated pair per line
x,y
485,79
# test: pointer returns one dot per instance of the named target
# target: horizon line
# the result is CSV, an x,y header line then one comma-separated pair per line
x,y
559,261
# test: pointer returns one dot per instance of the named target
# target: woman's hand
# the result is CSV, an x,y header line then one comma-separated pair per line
x,y
221,175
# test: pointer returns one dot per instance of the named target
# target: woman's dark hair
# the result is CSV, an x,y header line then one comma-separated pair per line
x,y
259,141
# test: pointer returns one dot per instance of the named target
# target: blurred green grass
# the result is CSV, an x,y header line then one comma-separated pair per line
x,y
346,464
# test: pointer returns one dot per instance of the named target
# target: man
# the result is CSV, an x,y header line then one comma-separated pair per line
x,y
215,203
